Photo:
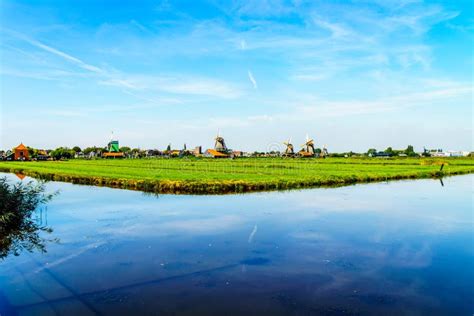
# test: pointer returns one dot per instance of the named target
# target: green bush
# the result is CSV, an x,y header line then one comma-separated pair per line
x,y
18,229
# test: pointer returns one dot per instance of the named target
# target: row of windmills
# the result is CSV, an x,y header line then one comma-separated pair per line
x,y
220,150
307,149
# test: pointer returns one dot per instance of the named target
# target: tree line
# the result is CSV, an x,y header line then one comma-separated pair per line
x,y
76,151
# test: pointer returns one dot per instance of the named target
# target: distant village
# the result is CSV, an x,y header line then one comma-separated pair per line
x,y
220,150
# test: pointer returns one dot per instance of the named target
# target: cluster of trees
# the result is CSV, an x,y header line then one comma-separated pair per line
x,y
409,151
68,153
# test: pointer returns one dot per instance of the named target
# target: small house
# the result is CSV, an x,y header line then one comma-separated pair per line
x,y
197,151
21,153
237,153
43,155
212,153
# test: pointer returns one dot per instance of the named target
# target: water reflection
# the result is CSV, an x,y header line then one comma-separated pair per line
x,y
23,217
376,249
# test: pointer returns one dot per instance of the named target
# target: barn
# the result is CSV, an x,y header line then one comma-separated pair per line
x,y
21,152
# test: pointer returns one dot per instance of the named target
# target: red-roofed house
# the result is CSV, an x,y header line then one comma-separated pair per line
x,y
21,152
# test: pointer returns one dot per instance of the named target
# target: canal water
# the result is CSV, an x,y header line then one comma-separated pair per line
x,y
397,248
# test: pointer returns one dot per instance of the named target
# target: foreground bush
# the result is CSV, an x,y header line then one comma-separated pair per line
x,y
18,229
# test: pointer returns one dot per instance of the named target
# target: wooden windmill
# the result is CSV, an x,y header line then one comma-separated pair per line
x,y
324,151
219,145
220,149
308,148
113,148
113,145
289,151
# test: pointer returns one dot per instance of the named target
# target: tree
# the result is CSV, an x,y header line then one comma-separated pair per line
x,y
88,150
62,153
76,149
125,149
389,151
18,228
32,152
410,151
371,152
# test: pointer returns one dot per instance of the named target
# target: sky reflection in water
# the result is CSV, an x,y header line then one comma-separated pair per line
x,y
386,248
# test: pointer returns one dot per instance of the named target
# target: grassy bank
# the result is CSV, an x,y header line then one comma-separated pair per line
x,y
207,176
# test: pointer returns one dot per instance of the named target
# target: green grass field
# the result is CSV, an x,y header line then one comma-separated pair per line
x,y
208,176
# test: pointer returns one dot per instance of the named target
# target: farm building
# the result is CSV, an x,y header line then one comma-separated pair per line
x,y
43,155
212,153
197,151
21,152
8,155
237,153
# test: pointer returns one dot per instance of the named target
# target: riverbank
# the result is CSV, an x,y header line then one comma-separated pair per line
x,y
207,176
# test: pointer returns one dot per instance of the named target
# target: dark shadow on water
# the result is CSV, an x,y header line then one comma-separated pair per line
x,y
23,218
255,261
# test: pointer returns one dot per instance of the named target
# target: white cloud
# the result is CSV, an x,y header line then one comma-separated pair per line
x,y
386,104
57,52
252,79
337,30
176,84
243,45
309,77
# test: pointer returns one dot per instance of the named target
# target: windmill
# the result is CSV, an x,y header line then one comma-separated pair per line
x,y
289,151
113,145
220,146
113,148
324,151
308,147
183,152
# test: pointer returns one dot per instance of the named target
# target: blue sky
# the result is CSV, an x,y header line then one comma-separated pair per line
x,y
351,74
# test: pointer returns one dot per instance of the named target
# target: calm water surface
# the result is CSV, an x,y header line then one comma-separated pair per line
x,y
398,248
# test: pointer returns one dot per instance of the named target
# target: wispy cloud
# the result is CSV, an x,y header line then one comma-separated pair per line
x,y
337,30
252,79
392,103
306,59
186,85
56,52
177,84
309,77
